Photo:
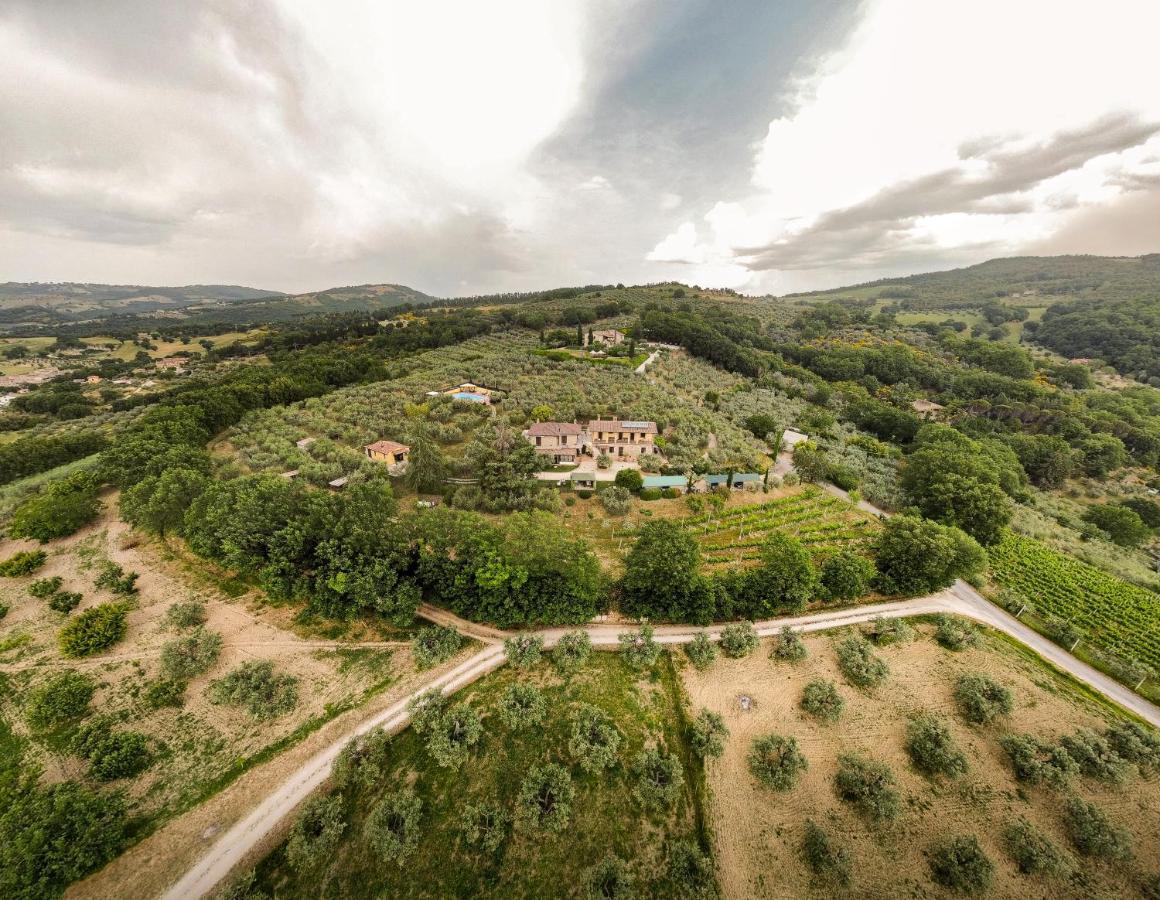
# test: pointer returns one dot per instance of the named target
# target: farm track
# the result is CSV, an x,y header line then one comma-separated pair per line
x,y
236,845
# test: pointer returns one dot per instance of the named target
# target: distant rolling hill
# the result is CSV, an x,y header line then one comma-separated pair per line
x,y
36,307
1054,278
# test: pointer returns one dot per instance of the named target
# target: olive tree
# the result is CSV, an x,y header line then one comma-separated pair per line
x,y
931,748
960,864
392,828
827,860
868,785
609,879
1093,833
595,738
776,761
738,640
452,737
524,650
484,825
708,733
820,698
316,833
638,649
981,699
1033,852
858,663
571,652
659,779
690,871
701,651
956,634
788,646
545,798
522,706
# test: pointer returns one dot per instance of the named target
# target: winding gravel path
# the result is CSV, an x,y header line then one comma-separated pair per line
x,y
238,842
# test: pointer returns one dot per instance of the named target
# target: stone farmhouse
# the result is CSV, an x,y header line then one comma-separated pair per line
x,y
609,336
560,441
619,438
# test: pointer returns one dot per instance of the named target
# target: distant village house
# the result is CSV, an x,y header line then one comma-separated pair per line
x,y
928,409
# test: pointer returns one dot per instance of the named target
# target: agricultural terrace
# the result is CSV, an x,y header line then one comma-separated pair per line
x,y
823,523
445,852
345,420
1112,614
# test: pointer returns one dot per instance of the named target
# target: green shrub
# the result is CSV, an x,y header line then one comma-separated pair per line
x,y
112,754
427,709
595,739
883,631
255,688
571,652
524,650
186,657
960,864
164,692
1036,761
64,601
4,608
1093,833
1033,852
776,761
435,644
638,649
629,479
584,493
956,634
868,785
392,828
932,749
659,779
609,879
701,651
982,699
616,500
522,706
93,630
858,663
63,698
671,493
826,859
484,825
708,733
820,698
115,579
545,798
43,588
651,493
738,640
186,615
23,563
316,833
788,646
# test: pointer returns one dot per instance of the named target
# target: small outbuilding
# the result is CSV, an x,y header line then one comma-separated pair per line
x,y
392,453
338,484
927,409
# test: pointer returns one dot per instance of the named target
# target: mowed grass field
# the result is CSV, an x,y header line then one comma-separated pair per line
x,y
647,711
758,832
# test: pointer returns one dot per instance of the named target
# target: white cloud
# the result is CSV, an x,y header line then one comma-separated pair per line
x,y
945,127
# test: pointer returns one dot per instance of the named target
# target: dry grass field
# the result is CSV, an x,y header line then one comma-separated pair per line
x,y
758,832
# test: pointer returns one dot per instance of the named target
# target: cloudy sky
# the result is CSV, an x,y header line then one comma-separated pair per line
x,y
463,147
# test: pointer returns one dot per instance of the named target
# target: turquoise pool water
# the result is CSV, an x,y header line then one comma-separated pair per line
x,y
473,397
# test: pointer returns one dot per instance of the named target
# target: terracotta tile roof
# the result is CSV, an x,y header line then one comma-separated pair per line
x,y
386,447
553,429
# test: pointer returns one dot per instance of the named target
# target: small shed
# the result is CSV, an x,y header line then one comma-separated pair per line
x,y
927,409
791,438
392,453
680,482
740,479
338,484
293,473
305,442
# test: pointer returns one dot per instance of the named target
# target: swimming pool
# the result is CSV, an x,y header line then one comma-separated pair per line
x,y
468,395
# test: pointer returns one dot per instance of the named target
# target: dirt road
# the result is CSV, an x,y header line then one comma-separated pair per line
x,y
233,847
